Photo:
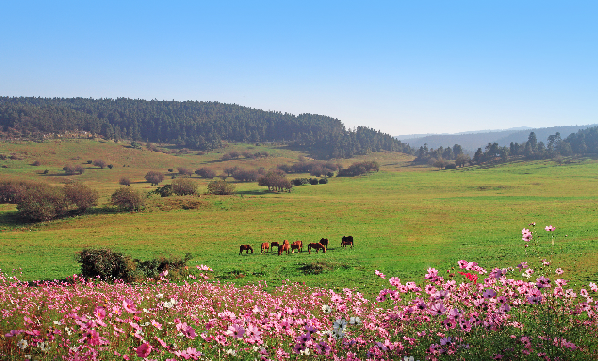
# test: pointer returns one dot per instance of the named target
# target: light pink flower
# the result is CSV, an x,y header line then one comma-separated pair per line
x,y
236,331
129,306
549,228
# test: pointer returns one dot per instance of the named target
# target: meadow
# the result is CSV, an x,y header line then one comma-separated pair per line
x,y
404,219
440,270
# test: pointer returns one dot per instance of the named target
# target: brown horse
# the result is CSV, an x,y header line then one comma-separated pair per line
x,y
246,248
265,247
298,245
324,242
347,241
316,246
284,248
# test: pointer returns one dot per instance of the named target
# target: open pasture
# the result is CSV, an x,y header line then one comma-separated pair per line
x,y
403,219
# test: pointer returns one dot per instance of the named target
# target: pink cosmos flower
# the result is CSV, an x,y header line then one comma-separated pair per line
x,y
379,274
236,331
549,228
156,324
129,306
559,271
143,350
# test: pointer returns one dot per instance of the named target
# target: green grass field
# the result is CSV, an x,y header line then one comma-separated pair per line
x,y
404,219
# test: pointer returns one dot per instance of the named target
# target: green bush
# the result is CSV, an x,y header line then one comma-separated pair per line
x,y
164,191
128,199
42,202
81,196
107,265
313,181
184,186
221,187
323,181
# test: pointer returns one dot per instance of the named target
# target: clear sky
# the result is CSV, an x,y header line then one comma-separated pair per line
x,y
402,67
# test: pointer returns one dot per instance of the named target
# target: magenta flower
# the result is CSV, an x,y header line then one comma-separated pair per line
x,y
129,306
549,228
379,274
143,350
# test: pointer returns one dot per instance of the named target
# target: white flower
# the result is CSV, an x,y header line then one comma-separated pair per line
x,y
526,275
44,346
159,295
22,344
232,352
326,309
340,324
171,303
305,352
355,321
57,323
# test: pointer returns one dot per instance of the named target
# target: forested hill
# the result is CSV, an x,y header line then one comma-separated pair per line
x,y
192,124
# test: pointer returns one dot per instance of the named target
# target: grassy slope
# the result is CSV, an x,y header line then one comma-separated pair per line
x,y
403,219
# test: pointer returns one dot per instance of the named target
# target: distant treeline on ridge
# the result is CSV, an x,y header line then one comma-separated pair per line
x,y
192,124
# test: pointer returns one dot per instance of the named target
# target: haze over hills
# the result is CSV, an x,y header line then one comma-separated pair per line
x,y
471,141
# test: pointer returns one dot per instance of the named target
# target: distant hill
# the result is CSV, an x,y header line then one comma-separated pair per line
x,y
471,141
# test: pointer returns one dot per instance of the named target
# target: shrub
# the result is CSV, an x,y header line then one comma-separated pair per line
x,y
46,171
450,166
128,199
154,177
110,166
124,181
37,163
221,187
206,173
164,191
323,181
89,161
106,264
184,186
185,171
330,174
275,180
42,202
245,175
170,170
300,181
81,196
99,163
11,191
359,168
313,181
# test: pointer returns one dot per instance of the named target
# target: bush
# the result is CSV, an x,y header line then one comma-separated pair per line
x,y
221,187
313,181
99,163
275,180
323,181
184,186
164,191
245,175
110,166
154,177
300,181
81,196
42,202
124,181
359,168
106,264
185,171
11,191
73,169
206,173
450,166
37,163
128,199
89,161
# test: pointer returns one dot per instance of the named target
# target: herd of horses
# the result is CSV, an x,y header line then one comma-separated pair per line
x,y
287,247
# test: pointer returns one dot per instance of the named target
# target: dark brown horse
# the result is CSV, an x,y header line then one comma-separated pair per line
x,y
347,241
246,248
324,242
316,246
298,245
272,245
265,247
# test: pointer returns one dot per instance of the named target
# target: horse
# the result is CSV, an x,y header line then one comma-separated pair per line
x,y
246,248
324,242
298,245
284,248
316,246
347,241
265,247
272,245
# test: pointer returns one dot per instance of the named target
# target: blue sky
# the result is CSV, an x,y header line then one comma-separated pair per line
x,y
402,67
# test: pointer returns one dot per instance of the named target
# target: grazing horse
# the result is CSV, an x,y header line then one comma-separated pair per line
x,y
273,244
265,247
347,241
316,246
324,242
298,245
285,247
246,248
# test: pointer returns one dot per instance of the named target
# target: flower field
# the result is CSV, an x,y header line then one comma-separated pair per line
x,y
524,312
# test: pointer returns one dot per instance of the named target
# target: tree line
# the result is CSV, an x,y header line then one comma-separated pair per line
x,y
192,124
